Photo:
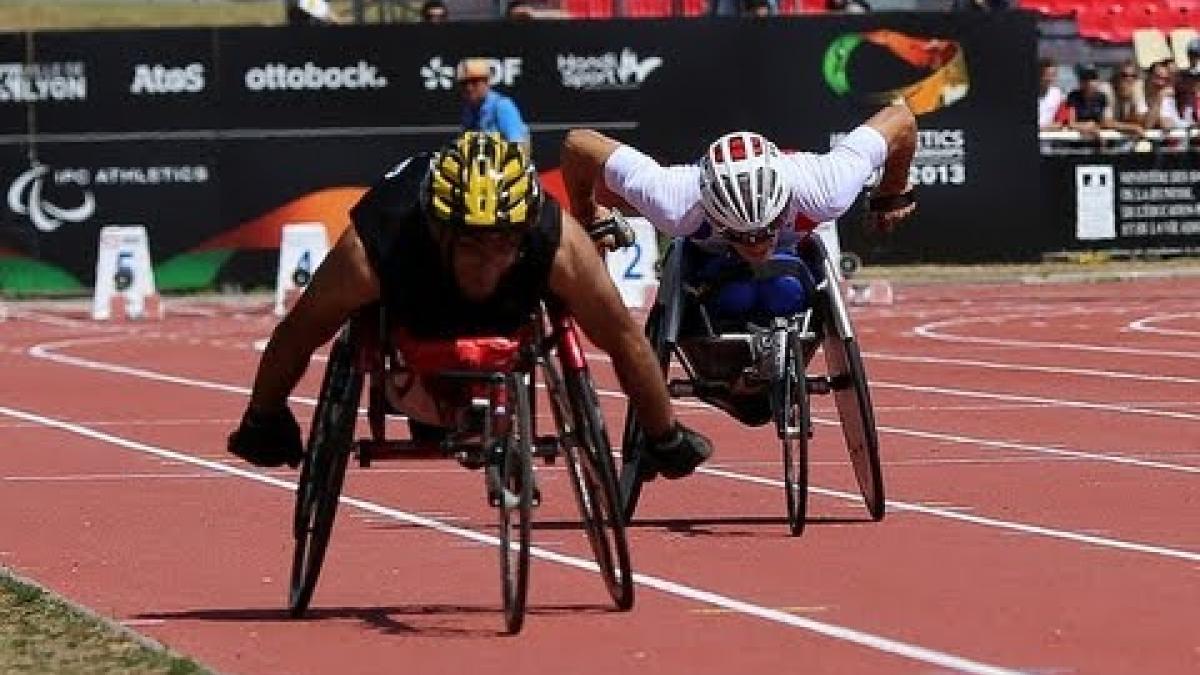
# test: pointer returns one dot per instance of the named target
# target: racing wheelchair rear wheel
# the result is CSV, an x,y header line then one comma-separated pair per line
x,y
324,468
633,439
848,379
593,473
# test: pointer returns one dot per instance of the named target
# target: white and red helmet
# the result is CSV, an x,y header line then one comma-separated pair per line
x,y
741,186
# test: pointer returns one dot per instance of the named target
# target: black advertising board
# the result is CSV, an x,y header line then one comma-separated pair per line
x,y
214,138
1142,201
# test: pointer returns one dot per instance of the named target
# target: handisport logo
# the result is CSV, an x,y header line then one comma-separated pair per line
x,y
35,82
611,70
310,76
946,80
437,73
160,79
26,198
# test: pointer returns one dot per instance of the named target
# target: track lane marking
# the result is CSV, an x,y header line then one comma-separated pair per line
x,y
932,331
1143,325
946,514
666,586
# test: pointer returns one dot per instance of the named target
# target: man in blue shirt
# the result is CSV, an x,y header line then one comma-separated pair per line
x,y
487,110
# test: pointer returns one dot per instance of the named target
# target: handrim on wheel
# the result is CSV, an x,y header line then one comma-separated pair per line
x,y
324,469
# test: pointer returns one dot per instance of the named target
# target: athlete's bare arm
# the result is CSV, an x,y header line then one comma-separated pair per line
x,y
580,279
584,153
343,283
898,127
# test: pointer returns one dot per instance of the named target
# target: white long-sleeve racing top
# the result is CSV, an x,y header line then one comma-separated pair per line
x,y
823,186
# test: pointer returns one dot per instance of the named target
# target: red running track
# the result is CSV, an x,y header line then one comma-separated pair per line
x,y
1041,450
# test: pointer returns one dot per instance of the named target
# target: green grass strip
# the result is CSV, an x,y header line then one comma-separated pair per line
x,y
41,632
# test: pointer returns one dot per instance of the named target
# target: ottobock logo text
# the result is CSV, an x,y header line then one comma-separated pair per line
x,y
439,74
611,70
160,79
310,76
34,82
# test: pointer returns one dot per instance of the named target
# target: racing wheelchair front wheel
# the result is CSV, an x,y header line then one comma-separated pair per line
x,y
514,469
590,462
324,468
791,407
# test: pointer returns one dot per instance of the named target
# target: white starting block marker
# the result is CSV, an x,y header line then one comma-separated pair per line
x,y
632,268
878,292
302,249
124,275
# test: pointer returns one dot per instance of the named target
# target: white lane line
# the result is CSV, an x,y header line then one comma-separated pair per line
x,y
1115,459
135,423
1042,400
1077,537
869,640
933,332
1143,325
1030,368
46,351
1027,447
86,477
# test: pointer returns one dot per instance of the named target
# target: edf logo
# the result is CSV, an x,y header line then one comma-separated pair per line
x,y
505,71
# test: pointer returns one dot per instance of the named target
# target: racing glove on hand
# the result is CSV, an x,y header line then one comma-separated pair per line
x,y
678,452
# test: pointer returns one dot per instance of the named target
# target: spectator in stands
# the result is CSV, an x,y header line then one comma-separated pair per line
x,y
757,8
434,11
310,13
1188,97
487,110
1189,86
1128,109
1163,110
1086,105
847,6
982,5
519,10
1050,96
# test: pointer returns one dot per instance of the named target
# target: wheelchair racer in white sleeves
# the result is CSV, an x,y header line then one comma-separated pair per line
x,y
745,206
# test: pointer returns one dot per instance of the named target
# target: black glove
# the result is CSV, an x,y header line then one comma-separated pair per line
x,y
616,227
880,206
268,438
678,452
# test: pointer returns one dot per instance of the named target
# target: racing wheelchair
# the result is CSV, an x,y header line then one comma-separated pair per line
x,y
775,359
490,397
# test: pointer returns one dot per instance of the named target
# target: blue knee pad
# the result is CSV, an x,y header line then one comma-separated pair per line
x,y
734,299
781,296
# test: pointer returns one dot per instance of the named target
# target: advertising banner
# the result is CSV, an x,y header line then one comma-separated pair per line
x,y
216,138
1129,202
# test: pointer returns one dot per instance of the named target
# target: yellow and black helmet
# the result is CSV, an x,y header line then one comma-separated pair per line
x,y
479,183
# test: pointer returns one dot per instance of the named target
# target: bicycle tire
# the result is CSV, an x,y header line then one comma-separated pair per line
x,y
516,479
593,474
324,470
